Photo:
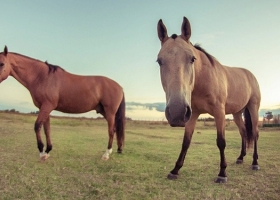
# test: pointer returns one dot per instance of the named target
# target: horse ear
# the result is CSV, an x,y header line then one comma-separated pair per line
x,y
186,29
162,32
5,50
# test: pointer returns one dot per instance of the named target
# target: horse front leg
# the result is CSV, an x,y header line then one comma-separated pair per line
x,y
189,128
48,137
221,143
42,119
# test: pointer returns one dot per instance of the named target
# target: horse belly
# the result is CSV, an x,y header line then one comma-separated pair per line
x,y
240,89
76,104
233,108
236,103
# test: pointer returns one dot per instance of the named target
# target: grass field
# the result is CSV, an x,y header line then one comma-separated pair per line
x,y
75,169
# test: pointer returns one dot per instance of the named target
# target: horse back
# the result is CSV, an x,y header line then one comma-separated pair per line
x,y
78,94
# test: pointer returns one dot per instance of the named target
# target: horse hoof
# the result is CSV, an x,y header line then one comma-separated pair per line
x,y
238,161
119,151
255,167
44,157
105,158
171,176
221,179
106,154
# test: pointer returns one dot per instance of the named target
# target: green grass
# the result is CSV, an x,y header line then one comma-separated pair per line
x,y
75,169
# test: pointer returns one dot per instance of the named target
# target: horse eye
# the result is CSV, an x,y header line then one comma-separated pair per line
x,y
159,62
1,64
193,59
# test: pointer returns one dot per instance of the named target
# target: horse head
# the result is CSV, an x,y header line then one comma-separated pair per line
x,y
5,66
176,60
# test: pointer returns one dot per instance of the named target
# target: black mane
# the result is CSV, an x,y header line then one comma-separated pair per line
x,y
174,36
210,57
52,68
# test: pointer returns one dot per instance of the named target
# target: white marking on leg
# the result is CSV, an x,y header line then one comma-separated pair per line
x,y
107,154
44,155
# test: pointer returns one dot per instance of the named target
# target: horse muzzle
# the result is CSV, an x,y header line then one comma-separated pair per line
x,y
177,116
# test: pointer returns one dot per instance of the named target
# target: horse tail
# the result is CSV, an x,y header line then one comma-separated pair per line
x,y
120,124
248,125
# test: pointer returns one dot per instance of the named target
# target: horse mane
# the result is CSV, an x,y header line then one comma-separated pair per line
x,y
210,57
52,68
174,36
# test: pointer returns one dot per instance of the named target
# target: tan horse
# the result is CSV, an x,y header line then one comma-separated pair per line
x,y
52,88
196,83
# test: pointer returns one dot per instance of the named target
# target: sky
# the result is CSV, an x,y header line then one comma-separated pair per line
x,y
118,39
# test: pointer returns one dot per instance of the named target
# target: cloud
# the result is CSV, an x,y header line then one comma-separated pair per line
x,y
274,110
159,106
145,111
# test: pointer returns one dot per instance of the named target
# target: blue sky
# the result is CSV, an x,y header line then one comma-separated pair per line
x,y
118,39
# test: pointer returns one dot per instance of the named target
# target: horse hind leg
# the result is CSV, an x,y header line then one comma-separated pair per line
x,y
254,117
115,117
111,130
242,130
120,125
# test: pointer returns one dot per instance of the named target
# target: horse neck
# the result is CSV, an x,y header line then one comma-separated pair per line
x,y
207,74
204,69
25,70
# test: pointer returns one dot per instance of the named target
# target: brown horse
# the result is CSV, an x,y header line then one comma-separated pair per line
x,y
195,83
52,88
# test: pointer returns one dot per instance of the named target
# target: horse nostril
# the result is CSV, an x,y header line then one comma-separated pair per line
x,y
167,113
188,114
